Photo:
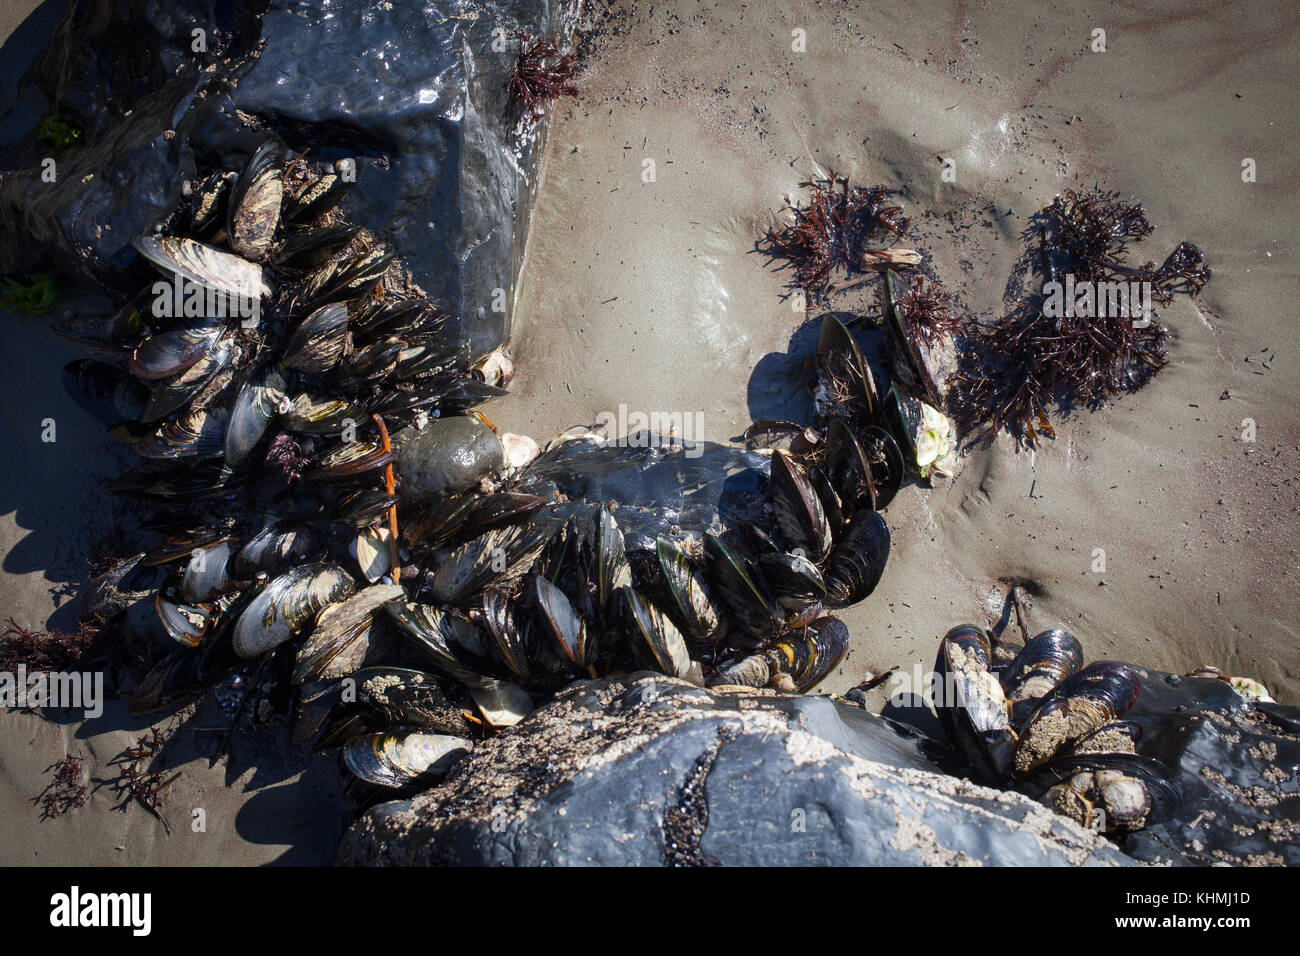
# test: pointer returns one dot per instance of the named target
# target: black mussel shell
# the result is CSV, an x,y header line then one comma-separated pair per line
x,y
855,565
809,654
798,509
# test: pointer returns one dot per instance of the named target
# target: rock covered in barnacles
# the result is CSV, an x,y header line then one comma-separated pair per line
x,y
649,770
446,456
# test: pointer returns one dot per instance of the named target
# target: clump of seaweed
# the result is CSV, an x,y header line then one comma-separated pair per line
x,y
834,231
1013,370
49,650
136,782
66,791
542,74
285,458
1093,232
928,309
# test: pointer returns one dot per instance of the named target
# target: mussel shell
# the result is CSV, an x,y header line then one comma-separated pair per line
x,y
655,639
351,459
110,592
689,597
753,610
317,197
501,703
206,575
318,343
396,760
198,433
341,638
798,509
970,703
406,696
1046,659
809,654
854,567
886,462
110,395
561,623
253,211
611,567
272,547
497,557
169,353
255,405
843,375
509,634
451,641
114,328
344,279
369,548
793,580
209,267
308,248
191,387
1112,686
184,623
287,605
315,414
363,507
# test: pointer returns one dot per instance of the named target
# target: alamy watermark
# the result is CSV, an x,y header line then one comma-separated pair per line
x,y
184,299
637,429
65,690
1098,300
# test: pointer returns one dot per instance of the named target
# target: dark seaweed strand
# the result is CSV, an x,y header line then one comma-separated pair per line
x,y
929,310
1018,366
834,229
542,74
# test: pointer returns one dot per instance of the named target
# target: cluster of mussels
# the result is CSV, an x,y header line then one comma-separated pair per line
x,y
1051,727
267,456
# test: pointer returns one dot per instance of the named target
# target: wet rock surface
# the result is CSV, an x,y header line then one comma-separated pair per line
x,y
448,455
415,93
647,770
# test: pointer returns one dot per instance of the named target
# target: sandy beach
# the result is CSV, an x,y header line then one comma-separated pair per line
x,y
642,288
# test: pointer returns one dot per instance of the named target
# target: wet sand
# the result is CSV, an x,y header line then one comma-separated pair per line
x,y
650,295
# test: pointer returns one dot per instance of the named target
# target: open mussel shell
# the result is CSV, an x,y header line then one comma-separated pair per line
x,y
169,353
287,605
970,703
794,581
253,211
1046,659
184,623
398,759
752,609
855,565
909,354
886,462
108,394
211,268
318,344
689,597
655,639
1133,791
501,703
798,509
809,654
369,549
561,624
341,638
198,433
845,385
351,459
256,403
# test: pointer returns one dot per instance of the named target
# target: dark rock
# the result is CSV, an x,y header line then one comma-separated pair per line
x,y
648,770
416,93
448,455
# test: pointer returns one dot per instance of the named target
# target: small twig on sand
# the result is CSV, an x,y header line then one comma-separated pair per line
x,y
394,557
1019,605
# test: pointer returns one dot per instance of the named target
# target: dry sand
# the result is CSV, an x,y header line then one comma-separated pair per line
x,y
649,294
